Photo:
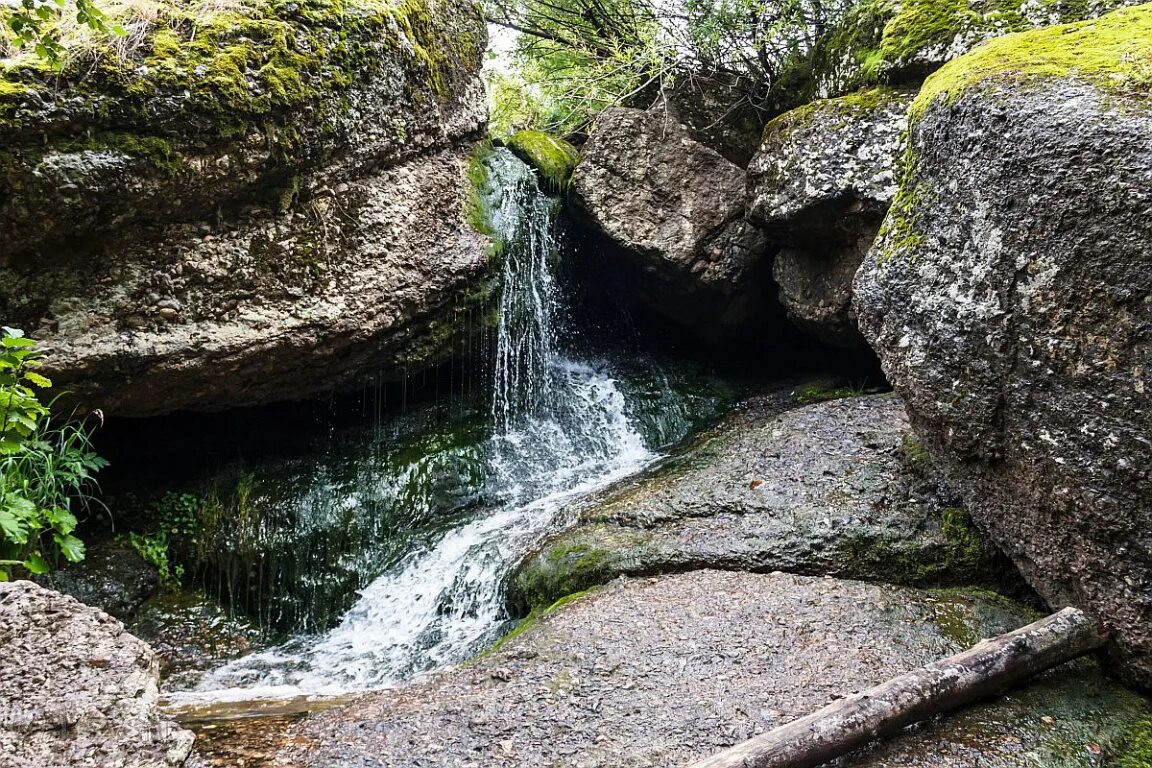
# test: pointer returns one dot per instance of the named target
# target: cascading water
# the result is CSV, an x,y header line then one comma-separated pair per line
x,y
560,428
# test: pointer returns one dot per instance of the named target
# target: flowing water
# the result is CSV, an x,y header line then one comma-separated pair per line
x,y
438,511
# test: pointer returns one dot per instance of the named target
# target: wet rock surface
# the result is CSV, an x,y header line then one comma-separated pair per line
x,y
820,184
111,577
1009,303
76,689
830,488
673,211
658,672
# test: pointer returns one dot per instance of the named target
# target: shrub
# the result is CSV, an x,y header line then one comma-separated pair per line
x,y
45,470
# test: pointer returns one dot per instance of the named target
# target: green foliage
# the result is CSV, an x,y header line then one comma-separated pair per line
x,y
154,548
44,470
577,57
31,25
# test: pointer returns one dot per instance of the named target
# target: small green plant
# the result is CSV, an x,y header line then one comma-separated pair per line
x,y
44,470
154,548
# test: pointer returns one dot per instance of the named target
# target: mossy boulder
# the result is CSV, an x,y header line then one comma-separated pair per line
x,y
1007,297
554,158
902,41
189,219
829,488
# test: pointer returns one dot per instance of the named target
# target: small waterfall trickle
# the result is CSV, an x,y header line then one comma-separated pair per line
x,y
560,428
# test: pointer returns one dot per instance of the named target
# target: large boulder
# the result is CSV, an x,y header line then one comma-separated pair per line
x,y
820,184
78,690
829,488
665,671
1009,299
675,212
261,202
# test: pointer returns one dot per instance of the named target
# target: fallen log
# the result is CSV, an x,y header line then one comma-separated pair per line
x,y
989,668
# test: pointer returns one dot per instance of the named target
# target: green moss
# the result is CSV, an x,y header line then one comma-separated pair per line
x,y
1136,751
476,210
962,556
575,562
900,235
553,157
534,617
1113,53
819,391
224,72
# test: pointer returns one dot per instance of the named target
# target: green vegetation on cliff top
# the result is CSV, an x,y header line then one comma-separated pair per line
x,y
235,60
553,157
1113,52
876,39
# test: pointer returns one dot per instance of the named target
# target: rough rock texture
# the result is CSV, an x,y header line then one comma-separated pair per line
x,y
112,577
824,489
820,184
1009,299
676,210
77,690
659,672
191,240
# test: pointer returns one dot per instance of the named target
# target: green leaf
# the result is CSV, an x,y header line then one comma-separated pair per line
x,y
62,520
37,564
13,342
41,381
70,546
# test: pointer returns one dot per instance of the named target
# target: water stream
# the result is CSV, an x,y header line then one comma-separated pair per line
x,y
472,501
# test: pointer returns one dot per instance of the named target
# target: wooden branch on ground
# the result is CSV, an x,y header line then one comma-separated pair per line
x,y
987,669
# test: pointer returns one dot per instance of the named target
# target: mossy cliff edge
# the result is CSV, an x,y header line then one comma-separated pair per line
x,y
216,106
191,219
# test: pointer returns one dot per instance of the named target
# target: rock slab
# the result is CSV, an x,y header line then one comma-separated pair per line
x,y
829,488
77,690
661,672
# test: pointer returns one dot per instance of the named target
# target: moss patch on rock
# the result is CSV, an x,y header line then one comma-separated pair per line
x,y
572,563
554,158
223,69
1113,53
886,41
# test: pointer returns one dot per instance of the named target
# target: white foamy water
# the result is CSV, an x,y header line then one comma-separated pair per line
x,y
561,430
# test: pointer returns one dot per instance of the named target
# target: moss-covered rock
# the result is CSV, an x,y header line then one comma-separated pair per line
x,y
553,157
1007,297
1113,53
903,41
185,218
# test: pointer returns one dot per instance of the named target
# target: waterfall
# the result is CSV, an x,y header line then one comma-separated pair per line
x,y
560,428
